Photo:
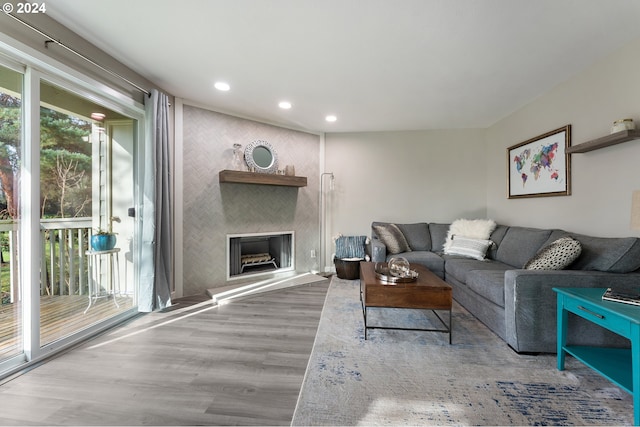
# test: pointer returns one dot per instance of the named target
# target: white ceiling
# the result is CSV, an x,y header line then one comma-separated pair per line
x,y
375,64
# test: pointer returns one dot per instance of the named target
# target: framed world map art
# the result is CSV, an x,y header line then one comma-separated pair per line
x,y
540,167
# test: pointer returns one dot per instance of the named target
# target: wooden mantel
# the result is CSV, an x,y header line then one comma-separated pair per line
x,y
240,177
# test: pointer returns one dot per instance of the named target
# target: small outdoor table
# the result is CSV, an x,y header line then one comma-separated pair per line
x,y
94,272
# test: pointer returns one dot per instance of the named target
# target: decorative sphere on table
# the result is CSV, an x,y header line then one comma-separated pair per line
x,y
399,267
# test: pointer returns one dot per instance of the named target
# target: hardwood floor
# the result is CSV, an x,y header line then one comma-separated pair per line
x,y
197,364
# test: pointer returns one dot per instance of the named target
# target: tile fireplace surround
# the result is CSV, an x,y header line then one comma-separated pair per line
x,y
213,210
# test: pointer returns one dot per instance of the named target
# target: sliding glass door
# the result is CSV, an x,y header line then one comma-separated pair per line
x,y
68,168
86,185
11,308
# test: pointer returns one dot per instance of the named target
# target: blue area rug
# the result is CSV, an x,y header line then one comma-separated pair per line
x,y
417,378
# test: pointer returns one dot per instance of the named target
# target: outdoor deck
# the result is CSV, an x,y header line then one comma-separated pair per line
x,y
59,316
63,286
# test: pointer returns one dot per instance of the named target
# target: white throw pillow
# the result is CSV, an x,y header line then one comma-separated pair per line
x,y
472,248
471,228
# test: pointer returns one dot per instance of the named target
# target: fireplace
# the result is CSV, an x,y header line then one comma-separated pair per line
x,y
253,254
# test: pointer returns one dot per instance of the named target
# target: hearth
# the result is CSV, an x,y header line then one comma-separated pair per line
x,y
259,253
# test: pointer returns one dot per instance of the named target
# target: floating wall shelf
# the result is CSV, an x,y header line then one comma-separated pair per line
x,y
239,177
605,141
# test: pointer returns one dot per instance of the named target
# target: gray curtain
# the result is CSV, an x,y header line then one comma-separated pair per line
x,y
156,261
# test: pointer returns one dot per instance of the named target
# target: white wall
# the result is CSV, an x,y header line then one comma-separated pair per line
x,y
602,180
12,28
413,176
438,176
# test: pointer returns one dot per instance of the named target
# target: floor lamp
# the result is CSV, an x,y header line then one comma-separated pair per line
x,y
323,214
635,210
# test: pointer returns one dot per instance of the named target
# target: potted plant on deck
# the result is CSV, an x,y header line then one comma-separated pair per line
x,y
103,240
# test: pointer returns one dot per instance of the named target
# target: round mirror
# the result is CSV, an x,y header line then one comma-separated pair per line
x,y
261,157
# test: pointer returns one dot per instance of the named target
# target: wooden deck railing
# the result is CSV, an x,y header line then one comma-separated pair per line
x,y
9,267
64,262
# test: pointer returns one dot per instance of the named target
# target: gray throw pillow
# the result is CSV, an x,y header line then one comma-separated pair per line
x,y
392,237
555,256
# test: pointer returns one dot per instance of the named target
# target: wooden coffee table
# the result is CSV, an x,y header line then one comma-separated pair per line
x,y
427,292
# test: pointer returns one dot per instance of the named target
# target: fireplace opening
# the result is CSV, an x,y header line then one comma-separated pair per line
x,y
259,253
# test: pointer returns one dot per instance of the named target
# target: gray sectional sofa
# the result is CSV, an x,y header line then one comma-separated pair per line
x,y
517,304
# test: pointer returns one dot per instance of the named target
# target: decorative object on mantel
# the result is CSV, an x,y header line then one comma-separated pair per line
x,y
238,158
290,170
540,166
622,124
261,157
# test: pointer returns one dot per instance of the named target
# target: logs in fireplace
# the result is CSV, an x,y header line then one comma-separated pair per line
x,y
257,260
258,253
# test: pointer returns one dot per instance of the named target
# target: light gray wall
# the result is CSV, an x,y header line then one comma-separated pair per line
x,y
411,176
213,210
602,180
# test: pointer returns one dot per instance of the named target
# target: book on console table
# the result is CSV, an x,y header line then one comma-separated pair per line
x,y
627,297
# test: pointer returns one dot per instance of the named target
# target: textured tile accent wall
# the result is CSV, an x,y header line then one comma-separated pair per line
x,y
211,210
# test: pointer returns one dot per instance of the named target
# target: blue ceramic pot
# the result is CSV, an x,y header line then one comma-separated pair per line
x,y
103,242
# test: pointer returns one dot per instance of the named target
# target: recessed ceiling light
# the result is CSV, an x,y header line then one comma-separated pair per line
x,y
331,118
285,105
222,86
98,116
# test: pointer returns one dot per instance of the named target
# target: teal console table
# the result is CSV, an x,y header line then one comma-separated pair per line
x,y
619,365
